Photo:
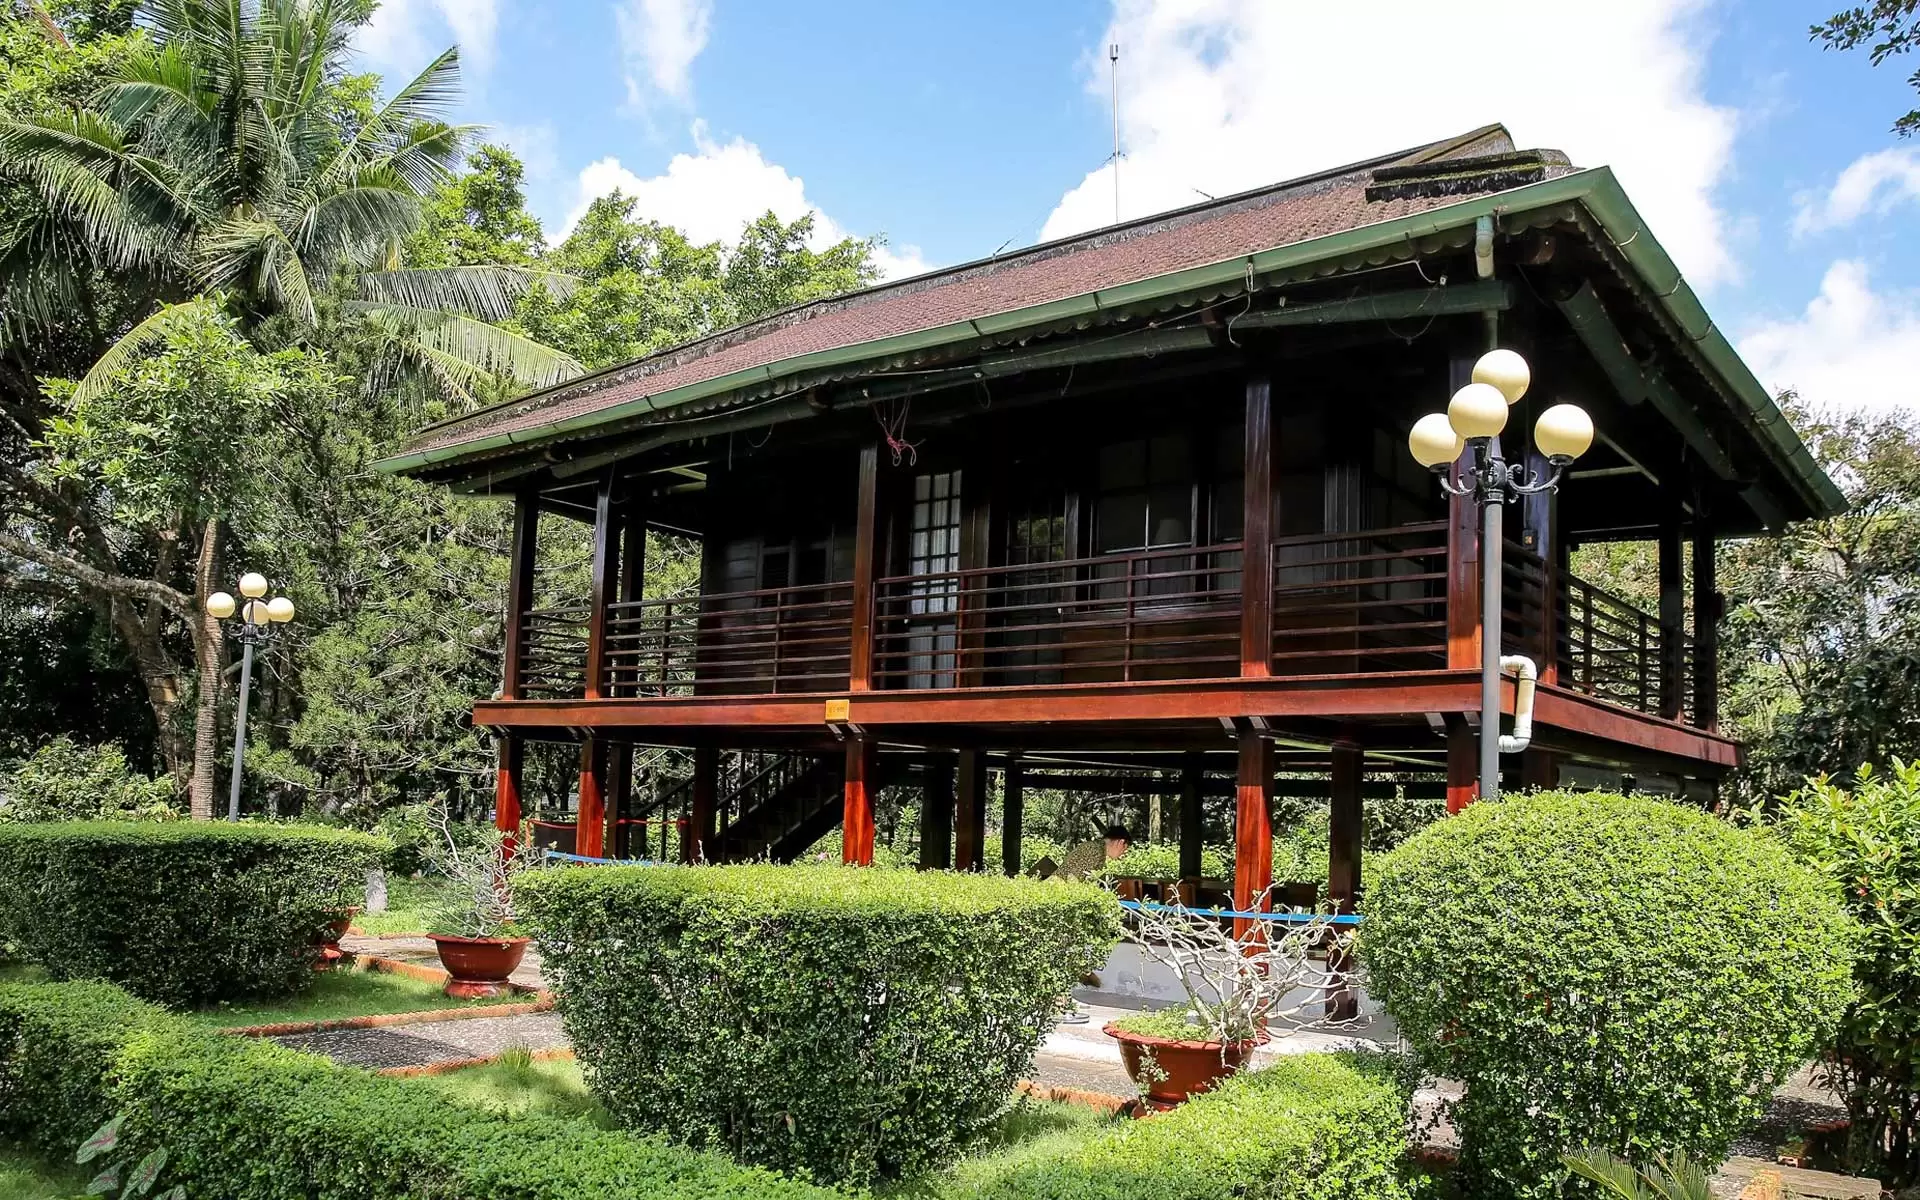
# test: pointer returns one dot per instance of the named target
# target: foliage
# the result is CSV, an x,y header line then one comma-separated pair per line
x,y
1676,1178
65,781
1160,860
249,1120
480,867
1325,1127
129,1179
416,833
855,1024
1890,26
1032,850
518,1083
62,672
1602,969
1865,837
181,913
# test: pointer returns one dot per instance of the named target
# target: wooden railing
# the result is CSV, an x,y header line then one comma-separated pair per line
x,y
553,653
1144,615
793,639
1365,602
1610,649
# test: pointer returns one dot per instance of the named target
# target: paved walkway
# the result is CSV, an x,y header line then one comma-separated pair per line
x,y
433,1041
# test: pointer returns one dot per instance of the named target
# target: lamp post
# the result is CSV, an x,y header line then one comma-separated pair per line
x,y
1473,421
255,627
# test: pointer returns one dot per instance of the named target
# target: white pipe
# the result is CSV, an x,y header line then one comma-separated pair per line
x,y
1522,667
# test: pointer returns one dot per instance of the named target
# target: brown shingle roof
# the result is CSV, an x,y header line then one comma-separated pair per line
x,y
1283,214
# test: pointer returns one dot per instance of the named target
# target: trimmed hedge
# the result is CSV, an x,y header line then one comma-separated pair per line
x,y
248,1120
854,1024
1602,970
1309,1127
180,913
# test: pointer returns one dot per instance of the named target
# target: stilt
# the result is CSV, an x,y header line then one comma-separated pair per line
x,y
1192,816
706,791
590,820
856,814
1463,764
970,815
1344,828
1253,834
1013,812
510,766
936,815
619,801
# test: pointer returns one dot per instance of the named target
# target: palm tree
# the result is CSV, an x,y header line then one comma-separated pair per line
x,y
225,166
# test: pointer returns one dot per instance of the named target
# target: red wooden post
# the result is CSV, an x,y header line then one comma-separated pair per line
x,y
526,539
936,815
866,549
619,800
1463,764
706,789
590,821
606,554
970,818
506,788
856,814
1253,834
1013,814
1256,541
1344,827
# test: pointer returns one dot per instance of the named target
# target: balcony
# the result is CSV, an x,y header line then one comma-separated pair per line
x,y
1358,604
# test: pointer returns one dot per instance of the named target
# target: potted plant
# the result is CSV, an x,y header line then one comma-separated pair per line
x,y
474,931
1237,993
338,919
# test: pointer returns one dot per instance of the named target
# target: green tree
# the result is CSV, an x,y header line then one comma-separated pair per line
x,y
1888,27
479,218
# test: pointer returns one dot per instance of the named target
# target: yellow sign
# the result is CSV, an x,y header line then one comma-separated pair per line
x,y
839,710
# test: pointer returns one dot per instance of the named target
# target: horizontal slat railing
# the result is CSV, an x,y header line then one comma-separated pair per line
x,y
792,639
1608,648
1142,615
553,653
1361,602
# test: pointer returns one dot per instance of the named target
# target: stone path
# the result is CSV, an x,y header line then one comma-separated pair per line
x,y
433,1041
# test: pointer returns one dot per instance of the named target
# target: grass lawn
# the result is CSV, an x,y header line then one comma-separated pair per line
x,y
337,995
1030,1128
20,972
24,1176
409,901
517,1084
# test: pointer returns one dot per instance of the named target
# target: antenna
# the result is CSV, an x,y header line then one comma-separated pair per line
x,y
1113,56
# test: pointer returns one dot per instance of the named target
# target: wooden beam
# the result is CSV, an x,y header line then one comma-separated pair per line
x,y
1483,295
1013,812
1706,629
1192,815
700,807
866,549
1346,819
970,816
856,811
1673,618
1463,763
1463,553
1253,833
590,819
526,540
1256,558
606,553
509,769
936,814
619,798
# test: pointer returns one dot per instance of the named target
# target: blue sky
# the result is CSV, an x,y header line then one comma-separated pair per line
x,y
1763,163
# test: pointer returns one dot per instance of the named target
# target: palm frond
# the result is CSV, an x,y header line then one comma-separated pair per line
x,y
137,341
427,155
354,225
486,292
484,347
85,172
421,101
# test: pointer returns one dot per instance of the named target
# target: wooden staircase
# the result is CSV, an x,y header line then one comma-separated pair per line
x,y
775,805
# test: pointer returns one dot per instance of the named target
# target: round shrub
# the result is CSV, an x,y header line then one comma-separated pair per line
x,y
179,913
1602,970
851,1024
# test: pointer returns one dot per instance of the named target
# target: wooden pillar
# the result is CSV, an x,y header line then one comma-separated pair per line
x,y
1253,834
1463,551
1541,534
606,567
590,820
1256,555
625,673
619,801
1673,618
936,815
866,550
856,811
1192,815
1013,812
1463,763
706,792
526,539
1346,819
1706,628
509,770
970,815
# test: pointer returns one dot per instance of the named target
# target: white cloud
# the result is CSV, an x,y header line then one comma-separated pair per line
x,y
1874,182
712,194
404,35
659,40
1224,95
1852,348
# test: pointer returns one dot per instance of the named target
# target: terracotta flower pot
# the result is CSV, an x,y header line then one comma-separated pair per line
x,y
1185,1068
479,966
337,921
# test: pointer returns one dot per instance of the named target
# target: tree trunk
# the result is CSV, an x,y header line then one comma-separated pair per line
x,y
207,640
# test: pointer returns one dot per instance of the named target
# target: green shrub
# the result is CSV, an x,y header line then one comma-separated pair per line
x,y
855,1024
1602,970
1866,840
248,1120
1160,860
414,838
1032,850
179,913
1309,1127
66,781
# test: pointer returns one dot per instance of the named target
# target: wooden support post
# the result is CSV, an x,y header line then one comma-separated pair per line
x,y
1256,553
1541,534
970,816
606,567
1706,628
1013,813
619,800
509,770
1673,618
1253,834
1463,556
856,812
590,819
706,793
1192,815
1346,820
936,815
631,590
866,551
526,539
1463,763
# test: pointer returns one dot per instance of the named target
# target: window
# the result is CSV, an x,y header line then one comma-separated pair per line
x,y
1146,495
933,554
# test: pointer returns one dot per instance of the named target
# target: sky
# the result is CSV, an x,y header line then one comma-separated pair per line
x,y
1763,163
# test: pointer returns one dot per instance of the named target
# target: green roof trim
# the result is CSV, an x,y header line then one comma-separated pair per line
x,y
1594,188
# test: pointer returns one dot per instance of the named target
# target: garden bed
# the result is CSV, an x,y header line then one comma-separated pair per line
x,y
346,999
